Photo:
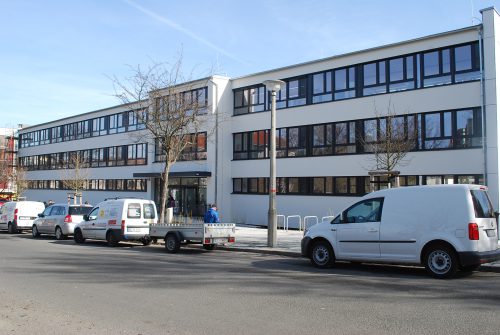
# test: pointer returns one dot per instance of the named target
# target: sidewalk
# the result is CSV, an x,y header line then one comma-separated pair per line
x,y
250,239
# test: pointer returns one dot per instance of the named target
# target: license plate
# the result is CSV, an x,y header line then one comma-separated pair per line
x,y
24,218
220,240
491,232
134,230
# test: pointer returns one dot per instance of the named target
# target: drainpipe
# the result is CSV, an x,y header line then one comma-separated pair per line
x,y
483,106
216,138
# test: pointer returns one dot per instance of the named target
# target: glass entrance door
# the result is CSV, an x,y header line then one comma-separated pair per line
x,y
187,196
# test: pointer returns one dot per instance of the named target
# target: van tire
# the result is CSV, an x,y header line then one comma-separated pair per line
x,y
209,246
112,239
59,234
78,236
172,243
12,228
441,261
34,231
322,255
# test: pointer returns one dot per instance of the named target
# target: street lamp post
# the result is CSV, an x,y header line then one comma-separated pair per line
x,y
272,224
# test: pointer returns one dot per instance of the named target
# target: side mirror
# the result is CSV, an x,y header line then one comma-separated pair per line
x,y
86,217
40,215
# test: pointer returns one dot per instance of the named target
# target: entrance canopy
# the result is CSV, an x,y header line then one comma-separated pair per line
x,y
184,174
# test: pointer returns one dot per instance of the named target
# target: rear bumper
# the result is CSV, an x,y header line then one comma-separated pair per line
x,y
469,258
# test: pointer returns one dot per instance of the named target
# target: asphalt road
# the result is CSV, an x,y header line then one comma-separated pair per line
x,y
58,287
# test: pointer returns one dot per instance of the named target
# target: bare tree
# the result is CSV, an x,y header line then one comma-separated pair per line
x,y
172,109
20,181
76,177
389,137
6,173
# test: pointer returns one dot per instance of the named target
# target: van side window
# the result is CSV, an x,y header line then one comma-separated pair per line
x,y
134,211
369,210
149,211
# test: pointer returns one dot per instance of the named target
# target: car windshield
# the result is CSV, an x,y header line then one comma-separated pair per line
x,y
79,210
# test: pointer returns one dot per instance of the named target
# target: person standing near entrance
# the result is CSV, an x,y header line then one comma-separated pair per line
x,y
212,216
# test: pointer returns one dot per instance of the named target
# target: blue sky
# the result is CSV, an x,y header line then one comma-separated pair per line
x,y
56,56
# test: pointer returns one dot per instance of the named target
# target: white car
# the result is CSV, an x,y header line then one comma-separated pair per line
x,y
444,228
59,220
19,215
115,220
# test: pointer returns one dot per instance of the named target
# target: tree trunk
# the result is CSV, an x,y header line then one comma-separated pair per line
x,y
164,192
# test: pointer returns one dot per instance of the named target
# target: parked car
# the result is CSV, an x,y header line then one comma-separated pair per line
x,y
115,220
59,220
19,215
444,228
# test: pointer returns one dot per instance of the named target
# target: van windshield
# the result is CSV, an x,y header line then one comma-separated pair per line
x,y
80,210
482,204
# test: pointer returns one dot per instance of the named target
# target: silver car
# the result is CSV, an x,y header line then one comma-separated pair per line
x,y
59,220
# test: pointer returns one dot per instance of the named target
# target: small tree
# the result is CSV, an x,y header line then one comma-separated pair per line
x,y
389,138
77,176
171,107
20,181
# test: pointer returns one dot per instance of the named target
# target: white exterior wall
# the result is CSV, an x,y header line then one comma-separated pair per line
x,y
491,47
252,208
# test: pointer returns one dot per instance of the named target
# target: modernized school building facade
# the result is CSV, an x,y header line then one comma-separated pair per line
x,y
442,90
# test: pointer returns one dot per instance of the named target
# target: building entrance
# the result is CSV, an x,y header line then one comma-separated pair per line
x,y
187,196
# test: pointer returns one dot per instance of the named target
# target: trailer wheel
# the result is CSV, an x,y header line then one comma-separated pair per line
x,y
172,243
146,240
209,246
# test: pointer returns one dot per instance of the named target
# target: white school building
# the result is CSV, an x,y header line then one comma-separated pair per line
x,y
442,88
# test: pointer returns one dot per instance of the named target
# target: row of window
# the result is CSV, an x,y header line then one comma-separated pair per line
x,y
104,125
454,129
130,185
195,149
123,155
342,186
450,65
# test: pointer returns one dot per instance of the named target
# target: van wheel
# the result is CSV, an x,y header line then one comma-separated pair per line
x,y
12,228
172,243
34,232
322,255
209,246
59,234
441,262
111,238
78,236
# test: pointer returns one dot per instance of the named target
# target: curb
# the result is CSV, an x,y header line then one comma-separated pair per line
x,y
263,251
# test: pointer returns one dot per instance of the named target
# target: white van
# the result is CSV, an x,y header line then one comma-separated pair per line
x,y
19,215
116,220
442,227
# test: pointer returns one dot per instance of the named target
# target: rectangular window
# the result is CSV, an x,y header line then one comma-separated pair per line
x,y
259,144
345,83
297,141
297,92
322,139
401,74
322,87
240,146
249,100
345,137
467,62
436,68
374,78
